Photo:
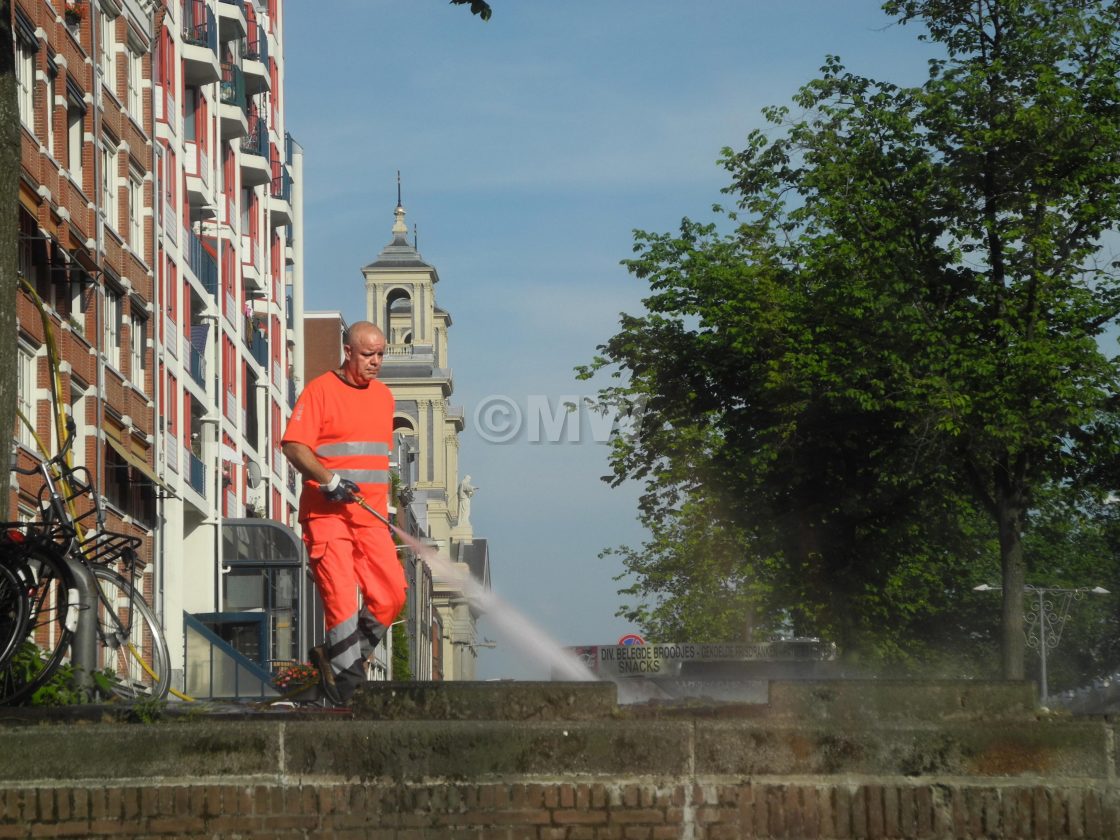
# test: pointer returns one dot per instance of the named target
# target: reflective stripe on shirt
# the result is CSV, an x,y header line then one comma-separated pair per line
x,y
365,476
356,447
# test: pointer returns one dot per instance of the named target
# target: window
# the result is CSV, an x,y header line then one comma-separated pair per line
x,y
75,112
52,89
110,184
107,44
136,214
138,366
190,109
26,386
79,402
135,83
114,322
25,79
81,290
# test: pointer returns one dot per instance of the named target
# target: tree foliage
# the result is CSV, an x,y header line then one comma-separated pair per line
x,y
478,7
895,348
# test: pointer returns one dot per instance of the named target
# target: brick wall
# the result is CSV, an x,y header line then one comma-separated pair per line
x,y
623,809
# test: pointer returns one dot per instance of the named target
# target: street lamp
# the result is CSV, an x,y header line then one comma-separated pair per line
x,y
1046,618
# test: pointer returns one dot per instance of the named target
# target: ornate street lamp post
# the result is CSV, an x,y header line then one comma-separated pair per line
x,y
1045,618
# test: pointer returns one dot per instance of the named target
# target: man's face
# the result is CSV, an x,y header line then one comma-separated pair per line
x,y
364,355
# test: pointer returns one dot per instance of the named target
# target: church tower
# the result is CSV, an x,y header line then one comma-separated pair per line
x,y
401,300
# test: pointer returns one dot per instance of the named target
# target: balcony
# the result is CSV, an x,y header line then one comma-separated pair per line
x,y
196,167
250,275
200,44
254,154
258,346
203,265
197,478
254,61
280,207
235,122
231,20
197,366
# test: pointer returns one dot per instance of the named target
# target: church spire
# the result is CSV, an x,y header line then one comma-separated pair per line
x,y
400,229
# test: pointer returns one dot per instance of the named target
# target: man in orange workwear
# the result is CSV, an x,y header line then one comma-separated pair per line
x,y
339,438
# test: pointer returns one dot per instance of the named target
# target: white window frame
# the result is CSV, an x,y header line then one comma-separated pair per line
x,y
113,326
110,183
75,140
107,43
27,398
138,349
136,214
25,82
52,88
79,393
134,58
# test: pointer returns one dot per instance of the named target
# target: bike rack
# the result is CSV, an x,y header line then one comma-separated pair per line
x,y
83,648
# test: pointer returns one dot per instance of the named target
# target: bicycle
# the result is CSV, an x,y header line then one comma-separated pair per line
x,y
41,557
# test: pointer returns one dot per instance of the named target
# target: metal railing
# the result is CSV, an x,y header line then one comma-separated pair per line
x,y
201,263
255,45
259,348
233,85
199,27
282,186
256,141
197,365
197,477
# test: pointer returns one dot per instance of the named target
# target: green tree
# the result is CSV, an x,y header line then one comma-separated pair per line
x,y
901,330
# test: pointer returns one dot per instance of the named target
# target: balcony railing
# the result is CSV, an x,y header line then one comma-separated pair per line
x,y
255,47
199,26
288,144
197,365
291,394
233,85
256,141
258,346
201,263
282,186
197,477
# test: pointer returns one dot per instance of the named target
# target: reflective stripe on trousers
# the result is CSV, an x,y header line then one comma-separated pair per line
x,y
346,559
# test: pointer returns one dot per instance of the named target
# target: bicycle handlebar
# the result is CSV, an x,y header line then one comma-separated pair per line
x,y
71,433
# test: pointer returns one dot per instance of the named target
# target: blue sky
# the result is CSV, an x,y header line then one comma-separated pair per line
x,y
530,148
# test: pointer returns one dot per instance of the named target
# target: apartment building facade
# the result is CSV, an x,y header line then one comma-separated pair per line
x,y
160,229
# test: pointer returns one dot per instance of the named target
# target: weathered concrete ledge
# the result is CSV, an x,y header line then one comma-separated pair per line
x,y
494,730
542,761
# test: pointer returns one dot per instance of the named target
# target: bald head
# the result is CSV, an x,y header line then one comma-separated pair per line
x,y
357,331
364,349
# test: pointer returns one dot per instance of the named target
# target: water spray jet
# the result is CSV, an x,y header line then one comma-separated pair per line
x,y
518,628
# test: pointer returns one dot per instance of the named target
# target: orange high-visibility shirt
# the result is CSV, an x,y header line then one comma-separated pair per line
x,y
350,430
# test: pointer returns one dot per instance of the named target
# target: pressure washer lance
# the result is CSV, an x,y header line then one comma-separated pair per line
x,y
364,505
424,552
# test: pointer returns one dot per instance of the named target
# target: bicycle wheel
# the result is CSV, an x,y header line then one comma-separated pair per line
x,y
134,656
47,583
13,613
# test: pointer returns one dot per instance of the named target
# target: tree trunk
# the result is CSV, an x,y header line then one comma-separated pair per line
x,y
1013,642
9,241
